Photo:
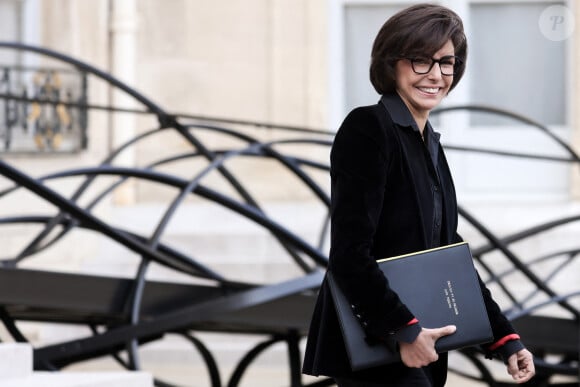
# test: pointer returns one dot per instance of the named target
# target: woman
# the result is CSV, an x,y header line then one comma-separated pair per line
x,y
392,193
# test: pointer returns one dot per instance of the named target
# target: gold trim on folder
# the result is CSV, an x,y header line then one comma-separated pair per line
x,y
420,252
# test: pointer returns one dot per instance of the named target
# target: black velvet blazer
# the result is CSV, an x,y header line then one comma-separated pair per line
x,y
382,201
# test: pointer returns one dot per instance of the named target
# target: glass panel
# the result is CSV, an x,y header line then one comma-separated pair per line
x,y
10,12
513,66
362,23
10,20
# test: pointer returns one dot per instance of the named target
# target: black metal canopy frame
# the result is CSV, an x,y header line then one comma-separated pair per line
x,y
125,313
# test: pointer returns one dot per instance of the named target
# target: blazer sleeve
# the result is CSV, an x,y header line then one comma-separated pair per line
x,y
501,328
359,164
500,325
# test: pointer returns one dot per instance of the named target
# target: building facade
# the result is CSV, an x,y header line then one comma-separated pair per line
x,y
305,63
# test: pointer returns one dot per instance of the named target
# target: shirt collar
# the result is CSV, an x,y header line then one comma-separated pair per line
x,y
401,115
399,112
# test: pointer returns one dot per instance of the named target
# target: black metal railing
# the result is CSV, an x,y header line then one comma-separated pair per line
x,y
136,317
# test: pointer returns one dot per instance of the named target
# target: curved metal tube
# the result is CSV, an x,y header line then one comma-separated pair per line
x,y
71,215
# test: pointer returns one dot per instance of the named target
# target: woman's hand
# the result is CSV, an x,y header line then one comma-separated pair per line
x,y
421,352
521,366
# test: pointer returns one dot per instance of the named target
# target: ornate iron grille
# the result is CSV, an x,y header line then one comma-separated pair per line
x,y
42,110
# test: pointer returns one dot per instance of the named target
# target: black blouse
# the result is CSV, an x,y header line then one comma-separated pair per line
x,y
400,115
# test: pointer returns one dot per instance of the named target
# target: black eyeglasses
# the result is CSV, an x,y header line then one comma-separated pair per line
x,y
447,64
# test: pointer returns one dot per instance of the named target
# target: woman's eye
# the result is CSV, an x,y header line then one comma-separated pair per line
x,y
422,61
448,61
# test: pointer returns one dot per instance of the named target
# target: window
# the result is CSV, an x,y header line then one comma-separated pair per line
x,y
362,23
521,76
10,26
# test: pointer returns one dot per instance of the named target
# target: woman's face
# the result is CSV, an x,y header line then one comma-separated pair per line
x,y
423,92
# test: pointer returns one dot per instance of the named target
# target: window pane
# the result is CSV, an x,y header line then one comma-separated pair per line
x,y
513,66
9,27
362,23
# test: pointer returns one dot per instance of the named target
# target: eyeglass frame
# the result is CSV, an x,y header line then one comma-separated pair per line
x,y
458,62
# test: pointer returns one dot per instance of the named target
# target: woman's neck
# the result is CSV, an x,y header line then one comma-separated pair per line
x,y
421,123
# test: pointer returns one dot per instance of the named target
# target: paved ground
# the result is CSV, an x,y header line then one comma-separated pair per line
x,y
260,375
173,361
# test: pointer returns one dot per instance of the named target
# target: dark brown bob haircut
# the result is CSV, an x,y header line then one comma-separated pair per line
x,y
420,30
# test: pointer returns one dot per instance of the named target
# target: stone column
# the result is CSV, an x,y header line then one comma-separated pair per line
x,y
575,181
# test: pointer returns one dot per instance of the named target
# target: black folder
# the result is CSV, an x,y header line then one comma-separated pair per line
x,y
439,286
